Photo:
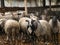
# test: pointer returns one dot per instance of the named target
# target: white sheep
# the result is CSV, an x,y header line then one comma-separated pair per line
x,y
43,29
11,29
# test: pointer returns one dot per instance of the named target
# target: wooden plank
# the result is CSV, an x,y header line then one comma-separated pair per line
x,y
25,3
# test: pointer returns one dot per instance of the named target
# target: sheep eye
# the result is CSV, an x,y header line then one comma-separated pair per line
x,y
32,21
27,21
27,26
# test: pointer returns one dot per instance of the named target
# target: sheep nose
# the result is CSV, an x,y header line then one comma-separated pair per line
x,y
30,25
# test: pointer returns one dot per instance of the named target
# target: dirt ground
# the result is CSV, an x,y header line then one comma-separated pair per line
x,y
19,42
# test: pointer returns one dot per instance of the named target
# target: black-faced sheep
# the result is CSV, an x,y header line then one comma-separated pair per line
x,y
55,26
25,23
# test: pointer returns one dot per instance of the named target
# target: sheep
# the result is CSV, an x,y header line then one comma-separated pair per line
x,y
54,23
42,28
11,29
25,23
46,29
2,22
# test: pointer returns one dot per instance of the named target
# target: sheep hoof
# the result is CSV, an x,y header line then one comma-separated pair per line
x,y
23,41
6,42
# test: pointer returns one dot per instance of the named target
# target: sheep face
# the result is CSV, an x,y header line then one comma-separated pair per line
x,y
33,26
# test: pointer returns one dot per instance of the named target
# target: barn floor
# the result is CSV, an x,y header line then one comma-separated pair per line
x,y
4,42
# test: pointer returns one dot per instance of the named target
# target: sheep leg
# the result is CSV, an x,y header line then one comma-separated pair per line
x,y
20,35
54,38
49,38
8,36
17,34
44,38
13,34
28,35
57,38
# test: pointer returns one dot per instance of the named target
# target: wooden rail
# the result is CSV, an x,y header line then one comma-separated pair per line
x,y
6,9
